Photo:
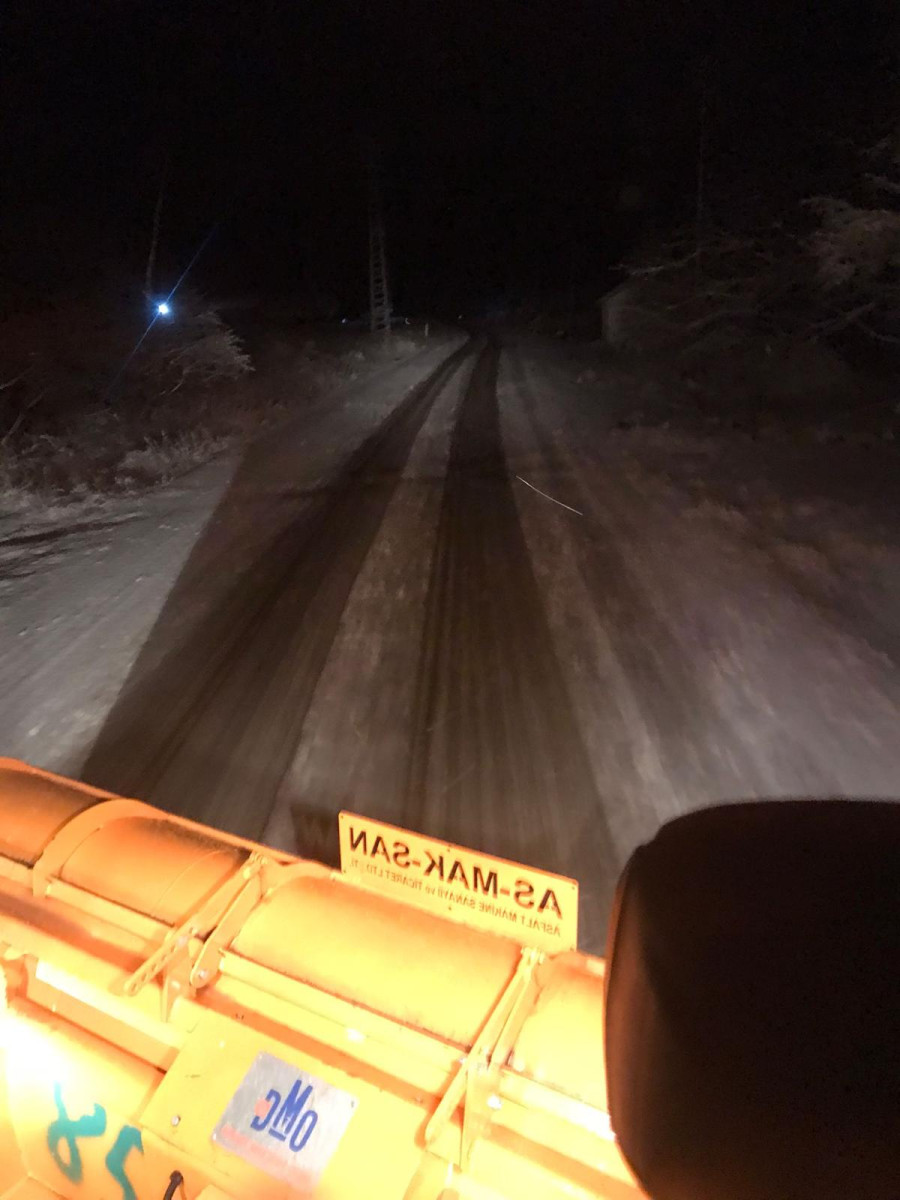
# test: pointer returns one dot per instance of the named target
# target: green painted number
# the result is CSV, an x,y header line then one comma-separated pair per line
x,y
129,1138
64,1130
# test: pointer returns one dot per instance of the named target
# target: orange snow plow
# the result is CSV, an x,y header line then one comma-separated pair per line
x,y
184,1014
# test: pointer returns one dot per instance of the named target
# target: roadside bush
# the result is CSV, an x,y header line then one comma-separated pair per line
x,y
698,300
777,327
856,250
194,347
83,411
94,402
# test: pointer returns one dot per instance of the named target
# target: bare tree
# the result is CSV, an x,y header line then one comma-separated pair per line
x,y
710,296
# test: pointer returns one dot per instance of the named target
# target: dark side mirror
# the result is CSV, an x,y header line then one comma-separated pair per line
x,y
753,1004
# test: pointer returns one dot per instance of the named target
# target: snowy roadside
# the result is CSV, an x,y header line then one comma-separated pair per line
x,y
713,652
827,514
82,585
827,518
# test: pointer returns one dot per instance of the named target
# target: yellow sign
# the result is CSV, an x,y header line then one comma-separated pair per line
x,y
533,907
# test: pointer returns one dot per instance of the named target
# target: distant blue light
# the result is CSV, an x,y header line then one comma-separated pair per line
x,y
163,308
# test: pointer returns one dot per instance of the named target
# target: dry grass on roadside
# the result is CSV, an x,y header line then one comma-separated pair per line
x,y
71,429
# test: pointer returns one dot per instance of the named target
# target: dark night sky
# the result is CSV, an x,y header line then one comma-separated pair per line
x,y
508,129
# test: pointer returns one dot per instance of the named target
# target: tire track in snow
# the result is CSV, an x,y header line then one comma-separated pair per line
x,y
496,760
209,730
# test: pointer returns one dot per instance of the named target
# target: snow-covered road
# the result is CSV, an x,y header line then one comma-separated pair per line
x,y
460,600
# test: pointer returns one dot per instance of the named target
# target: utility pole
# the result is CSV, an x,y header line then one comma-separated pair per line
x,y
379,293
700,197
154,237
707,81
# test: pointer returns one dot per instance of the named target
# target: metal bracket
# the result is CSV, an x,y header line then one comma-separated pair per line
x,y
191,954
184,941
476,1084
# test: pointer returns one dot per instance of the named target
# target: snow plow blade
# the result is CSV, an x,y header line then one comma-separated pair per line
x,y
185,1014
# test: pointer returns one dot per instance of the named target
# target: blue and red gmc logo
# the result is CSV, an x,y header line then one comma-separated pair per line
x,y
283,1121
288,1120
